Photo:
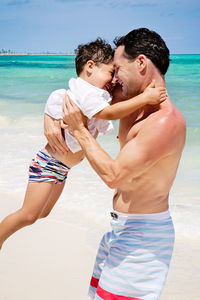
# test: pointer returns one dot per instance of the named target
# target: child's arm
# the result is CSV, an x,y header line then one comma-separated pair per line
x,y
151,95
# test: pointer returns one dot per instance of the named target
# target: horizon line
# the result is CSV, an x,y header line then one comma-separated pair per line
x,y
66,53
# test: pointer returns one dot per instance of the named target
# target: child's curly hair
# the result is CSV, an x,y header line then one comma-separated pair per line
x,y
98,51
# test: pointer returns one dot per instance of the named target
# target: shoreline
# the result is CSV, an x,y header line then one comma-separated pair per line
x,y
28,54
24,53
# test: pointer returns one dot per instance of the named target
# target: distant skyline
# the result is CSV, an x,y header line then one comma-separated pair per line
x,y
60,25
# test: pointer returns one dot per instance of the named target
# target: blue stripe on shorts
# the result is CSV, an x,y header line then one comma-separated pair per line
x,y
45,168
133,257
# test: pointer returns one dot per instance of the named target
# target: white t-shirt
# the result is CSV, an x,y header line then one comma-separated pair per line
x,y
90,99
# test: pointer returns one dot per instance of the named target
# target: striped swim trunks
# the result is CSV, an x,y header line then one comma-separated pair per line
x,y
45,168
133,257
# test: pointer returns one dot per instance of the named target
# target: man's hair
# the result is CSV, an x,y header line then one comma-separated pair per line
x,y
98,51
146,42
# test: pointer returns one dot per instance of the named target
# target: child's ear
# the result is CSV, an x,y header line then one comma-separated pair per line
x,y
89,66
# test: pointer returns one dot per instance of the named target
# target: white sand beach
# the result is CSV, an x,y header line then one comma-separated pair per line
x,y
53,259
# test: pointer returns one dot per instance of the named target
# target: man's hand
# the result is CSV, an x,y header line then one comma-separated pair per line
x,y
72,116
53,133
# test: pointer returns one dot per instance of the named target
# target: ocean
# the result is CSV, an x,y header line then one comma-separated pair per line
x,y
25,84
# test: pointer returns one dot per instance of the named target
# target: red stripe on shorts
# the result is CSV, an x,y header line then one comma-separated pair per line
x,y
94,282
109,296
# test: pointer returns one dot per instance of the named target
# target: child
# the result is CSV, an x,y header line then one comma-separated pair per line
x,y
94,66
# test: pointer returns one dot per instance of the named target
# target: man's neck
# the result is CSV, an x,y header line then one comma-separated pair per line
x,y
157,77
159,81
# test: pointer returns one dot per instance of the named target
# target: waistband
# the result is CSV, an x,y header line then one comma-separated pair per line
x,y
154,216
44,155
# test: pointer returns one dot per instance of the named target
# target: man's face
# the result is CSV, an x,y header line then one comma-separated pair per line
x,y
126,73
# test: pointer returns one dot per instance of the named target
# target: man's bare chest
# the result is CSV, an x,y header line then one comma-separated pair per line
x,y
129,129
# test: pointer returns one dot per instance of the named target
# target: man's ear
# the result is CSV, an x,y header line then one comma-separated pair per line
x,y
89,66
141,62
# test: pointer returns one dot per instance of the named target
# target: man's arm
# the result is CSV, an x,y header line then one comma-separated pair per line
x,y
134,159
53,133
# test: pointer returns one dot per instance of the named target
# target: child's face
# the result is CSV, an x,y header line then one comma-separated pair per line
x,y
102,75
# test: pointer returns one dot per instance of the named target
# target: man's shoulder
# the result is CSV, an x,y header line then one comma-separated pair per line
x,y
166,118
166,128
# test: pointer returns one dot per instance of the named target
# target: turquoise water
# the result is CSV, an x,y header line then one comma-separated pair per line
x,y
25,84
183,84
28,80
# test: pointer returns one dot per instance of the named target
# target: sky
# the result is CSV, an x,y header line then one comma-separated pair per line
x,y
61,25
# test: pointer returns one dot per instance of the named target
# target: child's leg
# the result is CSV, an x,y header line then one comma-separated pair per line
x,y
36,198
55,194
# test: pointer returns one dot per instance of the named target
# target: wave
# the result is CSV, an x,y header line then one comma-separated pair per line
x,y
193,135
191,59
42,62
33,65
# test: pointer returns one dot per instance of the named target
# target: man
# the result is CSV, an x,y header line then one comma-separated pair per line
x,y
133,258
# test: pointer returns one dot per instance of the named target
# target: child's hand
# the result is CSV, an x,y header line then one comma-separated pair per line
x,y
154,95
